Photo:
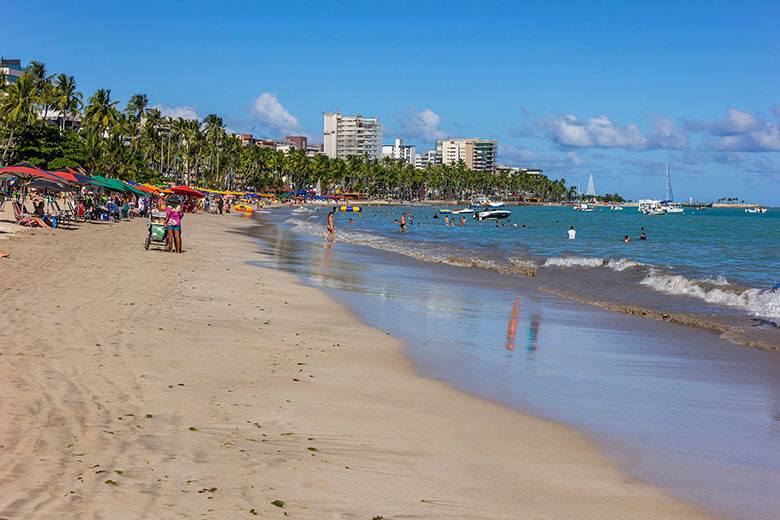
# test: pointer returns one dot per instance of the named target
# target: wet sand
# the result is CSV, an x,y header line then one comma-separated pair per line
x,y
138,384
676,405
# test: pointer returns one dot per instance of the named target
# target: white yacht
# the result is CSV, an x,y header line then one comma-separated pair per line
x,y
492,214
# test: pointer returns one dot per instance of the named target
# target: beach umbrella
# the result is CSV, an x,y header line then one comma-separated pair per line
x,y
72,175
185,190
26,172
47,184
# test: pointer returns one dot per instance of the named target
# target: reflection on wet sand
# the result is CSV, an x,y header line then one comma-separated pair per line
x,y
512,329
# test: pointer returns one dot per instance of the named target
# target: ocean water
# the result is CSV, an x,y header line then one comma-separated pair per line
x,y
713,261
674,406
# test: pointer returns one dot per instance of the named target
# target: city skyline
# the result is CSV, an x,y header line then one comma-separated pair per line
x,y
617,91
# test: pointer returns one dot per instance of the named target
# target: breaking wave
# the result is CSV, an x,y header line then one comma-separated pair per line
x,y
717,291
620,264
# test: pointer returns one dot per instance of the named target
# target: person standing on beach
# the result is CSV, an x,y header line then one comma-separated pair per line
x,y
331,227
173,225
572,232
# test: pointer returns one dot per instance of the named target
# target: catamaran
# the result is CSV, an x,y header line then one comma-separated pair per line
x,y
668,205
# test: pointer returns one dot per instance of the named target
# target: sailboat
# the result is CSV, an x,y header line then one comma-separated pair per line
x,y
668,203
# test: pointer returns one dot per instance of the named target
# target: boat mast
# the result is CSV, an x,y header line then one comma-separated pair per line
x,y
669,194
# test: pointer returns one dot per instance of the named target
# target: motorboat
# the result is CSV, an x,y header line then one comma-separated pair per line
x,y
616,208
492,214
462,211
650,207
497,204
757,209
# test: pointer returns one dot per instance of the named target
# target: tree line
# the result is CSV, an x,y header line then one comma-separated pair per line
x,y
138,143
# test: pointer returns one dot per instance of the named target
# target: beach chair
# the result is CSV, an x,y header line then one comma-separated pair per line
x,y
21,218
64,215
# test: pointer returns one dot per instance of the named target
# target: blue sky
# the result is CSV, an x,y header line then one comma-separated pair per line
x,y
613,88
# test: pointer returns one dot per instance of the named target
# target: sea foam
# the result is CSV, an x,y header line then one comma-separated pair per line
x,y
717,291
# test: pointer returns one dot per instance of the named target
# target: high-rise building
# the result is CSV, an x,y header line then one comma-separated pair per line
x,y
352,135
479,155
431,157
399,151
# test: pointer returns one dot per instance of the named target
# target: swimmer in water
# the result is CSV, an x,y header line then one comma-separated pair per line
x,y
775,288
626,239
642,237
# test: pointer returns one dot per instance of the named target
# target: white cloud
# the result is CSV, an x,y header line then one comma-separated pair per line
x,y
598,132
739,132
525,158
270,114
184,111
422,125
737,122
665,134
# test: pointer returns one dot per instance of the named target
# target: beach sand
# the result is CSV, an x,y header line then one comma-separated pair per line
x,y
138,384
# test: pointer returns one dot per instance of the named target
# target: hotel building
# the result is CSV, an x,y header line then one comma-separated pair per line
x,y
479,155
351,135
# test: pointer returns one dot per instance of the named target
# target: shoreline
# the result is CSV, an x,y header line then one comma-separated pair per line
x,y
200,385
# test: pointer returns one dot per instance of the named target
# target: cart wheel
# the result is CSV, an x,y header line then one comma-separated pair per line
x,y
147,242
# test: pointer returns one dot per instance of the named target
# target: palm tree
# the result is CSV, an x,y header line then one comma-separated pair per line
x,y
18,106
137,106
48,98
38,71
101,112
214,129
70,101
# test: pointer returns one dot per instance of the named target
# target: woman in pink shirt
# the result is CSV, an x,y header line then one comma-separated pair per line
x,y
173,225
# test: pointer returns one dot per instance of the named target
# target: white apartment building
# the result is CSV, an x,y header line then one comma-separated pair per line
x,y
351,135
431,157
400,152
478,154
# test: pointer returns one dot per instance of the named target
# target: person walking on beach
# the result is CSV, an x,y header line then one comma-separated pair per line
x,y
331,227
173,225
572,232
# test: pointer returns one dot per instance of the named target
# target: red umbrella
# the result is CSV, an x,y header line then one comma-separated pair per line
x,y
65,174
26,172
186,190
